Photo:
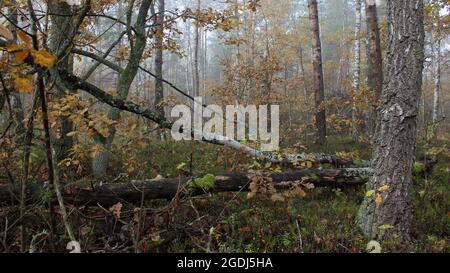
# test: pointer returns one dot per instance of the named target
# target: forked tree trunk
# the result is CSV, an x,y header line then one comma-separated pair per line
x,y
126,78
386,212
318,85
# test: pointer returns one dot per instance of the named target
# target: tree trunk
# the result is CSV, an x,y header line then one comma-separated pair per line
x,y
159,88
437,114
101,160
61,18
374,61
107,194
303,77
318,86
356,70
387,213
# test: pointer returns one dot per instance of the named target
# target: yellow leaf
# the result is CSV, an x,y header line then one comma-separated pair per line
x,y
13,48
378,199
43,58
71,133
384,188
6,33
370,193
23,84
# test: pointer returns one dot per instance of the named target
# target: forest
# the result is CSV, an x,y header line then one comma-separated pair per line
x,y
224,126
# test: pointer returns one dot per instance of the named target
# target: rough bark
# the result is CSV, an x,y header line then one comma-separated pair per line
x,y
318,85
395,139
82,193
356,70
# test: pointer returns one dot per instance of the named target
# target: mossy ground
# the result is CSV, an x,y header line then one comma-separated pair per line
x,y
322,221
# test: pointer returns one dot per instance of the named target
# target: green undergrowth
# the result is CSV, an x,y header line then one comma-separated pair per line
x,y
322,221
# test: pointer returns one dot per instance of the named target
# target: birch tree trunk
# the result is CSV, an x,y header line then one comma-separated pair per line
x,y
437,114
196,55
386,212
356,70
318,84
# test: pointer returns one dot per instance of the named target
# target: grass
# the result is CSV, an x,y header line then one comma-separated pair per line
x,y
322,221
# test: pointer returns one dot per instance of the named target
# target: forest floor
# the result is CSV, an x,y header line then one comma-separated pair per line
x,y
321,220
324,220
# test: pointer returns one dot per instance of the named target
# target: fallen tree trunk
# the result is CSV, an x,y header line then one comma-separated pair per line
x,y
318,158
164,123
82,193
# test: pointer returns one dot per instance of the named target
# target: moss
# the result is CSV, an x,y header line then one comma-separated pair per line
x,y
315,177
418,168
205,183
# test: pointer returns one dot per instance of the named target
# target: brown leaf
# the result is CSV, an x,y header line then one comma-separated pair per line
x,y
6,33
23,84
24,37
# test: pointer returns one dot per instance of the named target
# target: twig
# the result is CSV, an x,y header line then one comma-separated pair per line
x,y
300,241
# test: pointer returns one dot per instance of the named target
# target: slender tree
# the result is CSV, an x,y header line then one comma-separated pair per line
x,y
386,212
374,61
196,56
356,70
437,113
126,78
375,71
318,84
61,18
159,87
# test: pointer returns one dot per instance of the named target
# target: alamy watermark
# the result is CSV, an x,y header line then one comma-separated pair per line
x,y
210,123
